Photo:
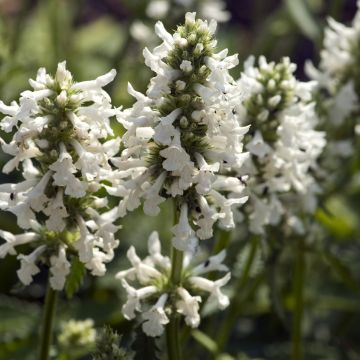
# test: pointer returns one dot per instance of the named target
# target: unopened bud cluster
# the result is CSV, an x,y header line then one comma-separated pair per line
x,y
75,334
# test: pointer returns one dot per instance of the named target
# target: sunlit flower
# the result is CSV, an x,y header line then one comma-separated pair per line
x,y
183,137
284,144
60,146
155,298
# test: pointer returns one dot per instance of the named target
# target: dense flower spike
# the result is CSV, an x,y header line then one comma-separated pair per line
x,y
339,91
60,144
183,136
340,54
156,298
283,144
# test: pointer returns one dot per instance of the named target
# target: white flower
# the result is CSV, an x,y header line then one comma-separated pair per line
x,y
153,274
57,212
157,9
14,240
257,146
184,236
182,137
213,287
59,268
61,142
28,266
64,170
189,307
284,147
143,271
214,263
152,197
134,298
176,157
154,247
155,318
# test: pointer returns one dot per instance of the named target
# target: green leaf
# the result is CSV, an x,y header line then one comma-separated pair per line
x,y
303,18
205,341
75,277
341,270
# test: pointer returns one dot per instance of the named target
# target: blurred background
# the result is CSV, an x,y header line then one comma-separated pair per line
x,y
94,36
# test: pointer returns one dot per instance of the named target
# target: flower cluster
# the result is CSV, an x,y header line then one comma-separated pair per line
x,y
283,142
183,137
340,55
160,298
339,90
77,333
59,145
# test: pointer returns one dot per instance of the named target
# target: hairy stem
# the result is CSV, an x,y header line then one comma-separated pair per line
x,y
173,328
47,324
298,288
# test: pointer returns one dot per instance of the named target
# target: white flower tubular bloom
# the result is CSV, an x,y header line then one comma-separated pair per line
x,y
214,263
284,145
59,268
184,133
155,318
154,248
213,287
338,93
152,276
61,142
134,297
144,272
189,307
28,266
14,240
184,236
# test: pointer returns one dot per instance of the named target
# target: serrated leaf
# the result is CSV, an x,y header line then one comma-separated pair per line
x,y
75,277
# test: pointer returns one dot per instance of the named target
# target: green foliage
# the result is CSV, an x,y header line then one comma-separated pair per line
x,y
94,39
304,19
75,278
108,346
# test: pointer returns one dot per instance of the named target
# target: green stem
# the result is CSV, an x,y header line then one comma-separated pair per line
x,y
47,325
173,329
223,240
299,276
231,315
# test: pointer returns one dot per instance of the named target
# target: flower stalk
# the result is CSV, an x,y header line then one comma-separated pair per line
x,y
173,328
299,276
47,324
